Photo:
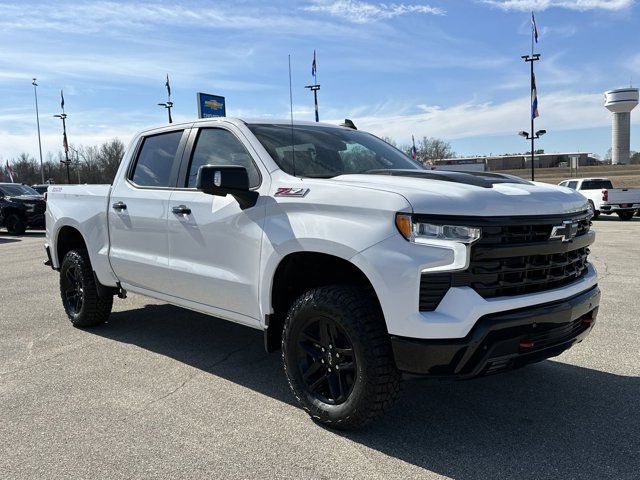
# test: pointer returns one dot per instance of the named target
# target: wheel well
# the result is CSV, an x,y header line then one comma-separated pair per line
x,y
68,239
301,271
11,210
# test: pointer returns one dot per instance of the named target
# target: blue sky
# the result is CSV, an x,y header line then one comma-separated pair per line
x,y
444,68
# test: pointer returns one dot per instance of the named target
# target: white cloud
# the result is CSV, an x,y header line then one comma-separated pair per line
x,y
539,5
121,19
559,111
364,12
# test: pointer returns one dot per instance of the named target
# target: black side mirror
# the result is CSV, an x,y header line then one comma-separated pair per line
x,y
227,180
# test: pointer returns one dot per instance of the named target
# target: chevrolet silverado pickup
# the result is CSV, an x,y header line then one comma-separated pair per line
x,y
357,263
603,198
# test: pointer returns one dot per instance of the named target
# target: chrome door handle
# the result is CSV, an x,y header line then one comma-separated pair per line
x,y
119,206
181,210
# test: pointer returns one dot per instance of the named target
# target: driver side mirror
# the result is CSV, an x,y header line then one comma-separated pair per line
x,y
227,180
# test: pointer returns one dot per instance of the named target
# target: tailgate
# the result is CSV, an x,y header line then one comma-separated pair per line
x,y
624,195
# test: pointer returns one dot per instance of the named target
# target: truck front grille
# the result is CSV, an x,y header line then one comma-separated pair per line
x,y
515,258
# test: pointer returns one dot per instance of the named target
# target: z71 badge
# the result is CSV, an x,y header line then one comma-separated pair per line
x,y
291,192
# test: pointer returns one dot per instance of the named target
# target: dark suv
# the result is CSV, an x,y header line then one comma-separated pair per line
x,y
21,207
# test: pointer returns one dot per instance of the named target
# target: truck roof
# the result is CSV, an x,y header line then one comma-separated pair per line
x,y
239,122
586,178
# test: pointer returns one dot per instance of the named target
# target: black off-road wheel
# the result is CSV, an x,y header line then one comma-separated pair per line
x,y
626,215
83,305
15,225
338,358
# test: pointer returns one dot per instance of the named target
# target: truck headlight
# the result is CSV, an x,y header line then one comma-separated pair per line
x,y
422,232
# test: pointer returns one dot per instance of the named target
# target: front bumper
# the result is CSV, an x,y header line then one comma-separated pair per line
x,y
502,341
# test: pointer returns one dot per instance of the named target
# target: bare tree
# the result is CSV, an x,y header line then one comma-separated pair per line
x,y
430,149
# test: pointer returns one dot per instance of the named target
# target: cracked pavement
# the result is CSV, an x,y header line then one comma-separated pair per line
x,y
161,392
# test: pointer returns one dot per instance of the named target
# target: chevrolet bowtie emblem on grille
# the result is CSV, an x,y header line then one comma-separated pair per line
x,y
566,232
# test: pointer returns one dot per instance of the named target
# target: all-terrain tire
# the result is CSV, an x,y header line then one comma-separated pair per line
x,y
596,213
15,225
377,382
77,282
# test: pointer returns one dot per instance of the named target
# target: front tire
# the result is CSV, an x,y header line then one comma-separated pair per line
x,y
15,225
338,358
80,298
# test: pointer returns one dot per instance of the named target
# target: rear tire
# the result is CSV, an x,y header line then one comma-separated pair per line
x,y
627,215
596,213
82,303
338,358
15,225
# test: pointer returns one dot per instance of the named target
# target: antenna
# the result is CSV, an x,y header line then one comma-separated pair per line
x,y
293,145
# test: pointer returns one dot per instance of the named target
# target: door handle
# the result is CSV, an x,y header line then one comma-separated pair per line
x,y
119,206
181,210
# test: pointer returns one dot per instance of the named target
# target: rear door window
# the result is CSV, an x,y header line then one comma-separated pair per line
x,y
156,160
572,185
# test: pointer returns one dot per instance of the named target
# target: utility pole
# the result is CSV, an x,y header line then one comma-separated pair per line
x,y
65,143
35,92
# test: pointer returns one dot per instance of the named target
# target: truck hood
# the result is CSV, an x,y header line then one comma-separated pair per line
x,y
473,195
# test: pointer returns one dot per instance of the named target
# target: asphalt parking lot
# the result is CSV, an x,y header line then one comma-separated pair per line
x,y
161,392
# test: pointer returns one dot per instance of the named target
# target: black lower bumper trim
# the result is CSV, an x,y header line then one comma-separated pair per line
x,y
503,340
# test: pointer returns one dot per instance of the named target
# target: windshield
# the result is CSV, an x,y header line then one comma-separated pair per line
x,y
325,152
17,190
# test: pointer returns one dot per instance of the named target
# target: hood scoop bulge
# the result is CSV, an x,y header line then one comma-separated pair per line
x,y
478,179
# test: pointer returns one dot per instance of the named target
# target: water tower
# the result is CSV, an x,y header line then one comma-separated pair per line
x,y
620,102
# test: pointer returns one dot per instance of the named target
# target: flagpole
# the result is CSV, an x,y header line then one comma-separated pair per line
x,y
532,135
533,32
35,93
65,142
315,87
168,104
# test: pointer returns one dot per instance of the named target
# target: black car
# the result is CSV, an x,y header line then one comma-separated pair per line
x,y
21,207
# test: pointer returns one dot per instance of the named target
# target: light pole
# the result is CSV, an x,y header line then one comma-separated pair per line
x,y
35,93
532,137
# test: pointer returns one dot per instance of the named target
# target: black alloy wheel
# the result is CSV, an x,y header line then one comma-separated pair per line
x,y
83,303
73,288
338,358
326,360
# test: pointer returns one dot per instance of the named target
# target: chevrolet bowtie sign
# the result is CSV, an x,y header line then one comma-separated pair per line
x,y
566,232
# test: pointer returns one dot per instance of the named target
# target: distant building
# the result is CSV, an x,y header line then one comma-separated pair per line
x,y
514,162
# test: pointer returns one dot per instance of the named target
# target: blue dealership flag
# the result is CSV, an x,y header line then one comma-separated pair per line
x,y
314,66
534,97
534,27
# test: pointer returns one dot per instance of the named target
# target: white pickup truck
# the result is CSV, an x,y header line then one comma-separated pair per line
x,y
603,198
360,264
